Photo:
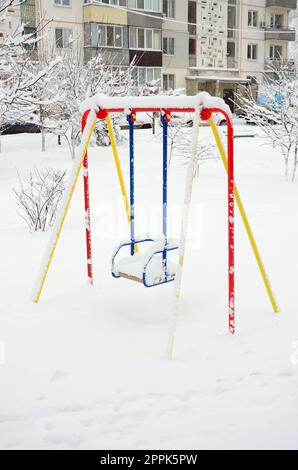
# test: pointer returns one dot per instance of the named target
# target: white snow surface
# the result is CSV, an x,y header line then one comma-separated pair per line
x,y
86,368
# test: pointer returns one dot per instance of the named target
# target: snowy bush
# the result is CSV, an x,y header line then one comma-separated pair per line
x,y
180,145
38,199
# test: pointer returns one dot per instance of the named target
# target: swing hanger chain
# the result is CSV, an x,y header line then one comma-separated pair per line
x,y
132,117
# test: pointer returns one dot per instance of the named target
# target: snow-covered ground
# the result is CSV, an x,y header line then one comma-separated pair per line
x,y
86,367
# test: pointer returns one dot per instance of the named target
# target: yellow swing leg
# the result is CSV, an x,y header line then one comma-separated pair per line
x,y
118,168
245,220
61,218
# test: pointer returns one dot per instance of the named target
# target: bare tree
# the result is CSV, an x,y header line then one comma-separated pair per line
x,y
78,82
275,112
180,144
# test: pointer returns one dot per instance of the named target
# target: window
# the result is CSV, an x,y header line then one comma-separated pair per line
x,y
275,52
33,35
169,82
65,3
121,3
231,49
168,8
276,20
252,51
192,46
118,36
143,75
109,36
168,46
63,37
148,5
253,19
140,38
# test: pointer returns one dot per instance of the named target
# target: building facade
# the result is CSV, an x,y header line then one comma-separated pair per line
x,y
10,22
212,45
130,32
237,41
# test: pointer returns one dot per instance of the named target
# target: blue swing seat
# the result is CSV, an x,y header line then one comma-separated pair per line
x,y
148,268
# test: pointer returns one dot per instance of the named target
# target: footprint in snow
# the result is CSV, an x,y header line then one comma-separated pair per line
x,y
286,373
49,426
59,375
87,422
255,373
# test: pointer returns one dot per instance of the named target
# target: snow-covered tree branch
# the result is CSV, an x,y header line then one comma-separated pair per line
x,y
276,112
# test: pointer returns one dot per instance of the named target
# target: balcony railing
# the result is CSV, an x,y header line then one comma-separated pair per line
x,y
289,4
280,34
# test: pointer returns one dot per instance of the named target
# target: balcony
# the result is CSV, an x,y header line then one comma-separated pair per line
x,y
280,34
99,13
289,4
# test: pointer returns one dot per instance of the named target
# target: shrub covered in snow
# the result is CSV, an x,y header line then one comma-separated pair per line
x,y
39,197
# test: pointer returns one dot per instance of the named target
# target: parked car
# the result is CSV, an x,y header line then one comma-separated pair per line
x,y
19,128
186,119
144,121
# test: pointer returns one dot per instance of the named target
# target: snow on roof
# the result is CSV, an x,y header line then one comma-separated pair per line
x,y
201,100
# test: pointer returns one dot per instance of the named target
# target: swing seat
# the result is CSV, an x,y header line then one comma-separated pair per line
x,y
146,268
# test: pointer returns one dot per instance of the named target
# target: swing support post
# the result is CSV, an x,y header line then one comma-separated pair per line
x,y
245,220
165,119
87,209
131,118
183,235
61,216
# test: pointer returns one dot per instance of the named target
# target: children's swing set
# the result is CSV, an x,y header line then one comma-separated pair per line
x,y
153,267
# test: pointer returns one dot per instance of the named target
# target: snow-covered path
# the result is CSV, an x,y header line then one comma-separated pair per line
x,y
86,369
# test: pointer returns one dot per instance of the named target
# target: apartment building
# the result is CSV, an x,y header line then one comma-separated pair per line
x,y
212,45
175,43
59,22
10,22
235,42
131,31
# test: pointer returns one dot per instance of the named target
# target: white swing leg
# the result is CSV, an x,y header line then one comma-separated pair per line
x,y
184,228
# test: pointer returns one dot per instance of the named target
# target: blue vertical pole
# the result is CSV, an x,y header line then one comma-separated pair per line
x,y
132,184
165,194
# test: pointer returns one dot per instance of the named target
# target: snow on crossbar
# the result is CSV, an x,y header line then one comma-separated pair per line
x,y
156,103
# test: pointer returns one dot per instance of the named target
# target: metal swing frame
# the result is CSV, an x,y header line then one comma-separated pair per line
x,y
169,105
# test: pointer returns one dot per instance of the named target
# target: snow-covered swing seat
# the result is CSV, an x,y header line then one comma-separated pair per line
x,y
149,266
